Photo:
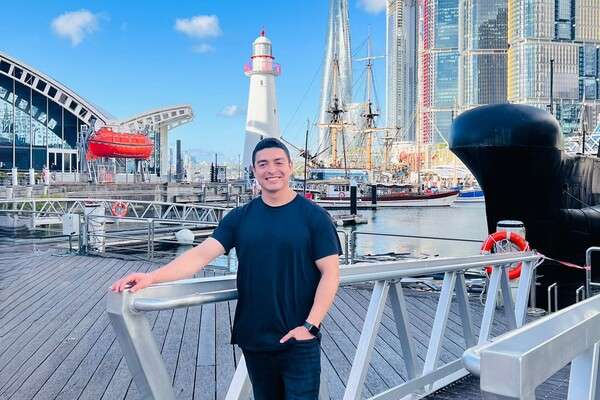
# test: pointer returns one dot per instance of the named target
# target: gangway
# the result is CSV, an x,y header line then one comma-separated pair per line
x,y
49,210
127,315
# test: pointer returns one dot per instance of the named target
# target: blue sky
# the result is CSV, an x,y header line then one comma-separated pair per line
x,y
130,57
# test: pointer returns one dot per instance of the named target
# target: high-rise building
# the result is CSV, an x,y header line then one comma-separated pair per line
x,y
336,87
566,34
439,69
402,31
483,45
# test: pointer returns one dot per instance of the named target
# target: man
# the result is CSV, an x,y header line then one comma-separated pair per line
x,y
288,274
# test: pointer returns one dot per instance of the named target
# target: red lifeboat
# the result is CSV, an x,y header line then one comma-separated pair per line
x,y
107,143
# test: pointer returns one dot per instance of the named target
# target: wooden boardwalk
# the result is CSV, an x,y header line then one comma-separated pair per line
x,y
56,341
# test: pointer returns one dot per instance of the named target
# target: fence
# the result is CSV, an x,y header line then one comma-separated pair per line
x,y
126,312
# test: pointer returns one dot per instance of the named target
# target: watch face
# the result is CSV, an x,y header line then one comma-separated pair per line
x,y
314,330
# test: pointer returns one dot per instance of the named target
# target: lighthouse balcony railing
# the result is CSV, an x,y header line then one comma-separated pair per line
x,y
127,315
262,65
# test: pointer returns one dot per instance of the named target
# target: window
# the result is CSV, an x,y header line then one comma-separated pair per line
x,y
22,119
4,66
41,85
73,105
29,79
55,135
52,92
70,130
17,72
63,98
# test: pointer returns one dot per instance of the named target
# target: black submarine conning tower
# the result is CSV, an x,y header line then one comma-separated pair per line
x,y
512,150
515,153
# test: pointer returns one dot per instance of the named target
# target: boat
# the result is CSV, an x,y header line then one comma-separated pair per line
x,y
338,195
106,142
472,195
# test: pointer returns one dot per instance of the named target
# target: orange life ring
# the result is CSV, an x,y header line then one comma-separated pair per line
x,y
341,195
514,238
119,209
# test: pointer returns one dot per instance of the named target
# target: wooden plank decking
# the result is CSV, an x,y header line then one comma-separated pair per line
x,y
56,341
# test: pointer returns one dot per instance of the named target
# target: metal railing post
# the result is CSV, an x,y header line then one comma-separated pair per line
x,y
346,247
580,294
151,237
352,243
588,270
550,288
86,238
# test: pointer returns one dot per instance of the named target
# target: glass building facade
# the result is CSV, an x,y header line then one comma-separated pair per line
x,y
35,131
483,47
567,32
439,69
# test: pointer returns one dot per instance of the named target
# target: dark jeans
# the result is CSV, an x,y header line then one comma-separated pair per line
x,y
290,374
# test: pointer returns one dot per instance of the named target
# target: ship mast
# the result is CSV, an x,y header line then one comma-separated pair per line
x,y
336,121
371,112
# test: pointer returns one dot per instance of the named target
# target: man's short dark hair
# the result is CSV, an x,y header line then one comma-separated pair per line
x,y
269,143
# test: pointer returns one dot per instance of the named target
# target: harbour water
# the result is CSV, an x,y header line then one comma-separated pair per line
x,y
457,222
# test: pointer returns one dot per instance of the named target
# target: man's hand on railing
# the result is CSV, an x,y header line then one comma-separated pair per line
x,y
135,282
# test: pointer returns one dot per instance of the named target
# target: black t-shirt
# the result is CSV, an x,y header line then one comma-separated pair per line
x,y
277,276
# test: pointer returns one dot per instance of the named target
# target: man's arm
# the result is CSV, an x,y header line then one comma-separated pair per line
x,y
184,266
326,290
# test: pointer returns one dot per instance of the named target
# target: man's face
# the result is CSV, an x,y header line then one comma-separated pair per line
x,y
272,169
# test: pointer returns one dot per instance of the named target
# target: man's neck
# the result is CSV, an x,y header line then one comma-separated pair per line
x,y
278,198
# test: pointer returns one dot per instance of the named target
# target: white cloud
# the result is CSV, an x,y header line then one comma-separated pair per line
x,y
203,48
231,111
200,26
372,6
75,25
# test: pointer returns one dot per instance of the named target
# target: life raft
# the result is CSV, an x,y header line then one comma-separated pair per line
x,y
119,209
512,237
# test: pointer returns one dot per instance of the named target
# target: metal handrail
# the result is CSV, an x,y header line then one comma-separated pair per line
x,y
153,381
351,274
514,364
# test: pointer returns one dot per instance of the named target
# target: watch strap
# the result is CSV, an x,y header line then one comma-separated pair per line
x,y
312,329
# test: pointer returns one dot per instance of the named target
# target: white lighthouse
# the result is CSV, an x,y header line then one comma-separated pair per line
x,y
262,119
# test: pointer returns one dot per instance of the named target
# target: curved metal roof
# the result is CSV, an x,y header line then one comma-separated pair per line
x,y
52,89
170,117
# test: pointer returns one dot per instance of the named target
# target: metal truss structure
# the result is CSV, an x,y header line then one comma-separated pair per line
x,y
46,211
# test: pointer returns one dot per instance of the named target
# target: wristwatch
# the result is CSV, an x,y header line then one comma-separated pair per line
x,y
313,330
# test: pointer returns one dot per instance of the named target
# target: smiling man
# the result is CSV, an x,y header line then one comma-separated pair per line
x,y
288,275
